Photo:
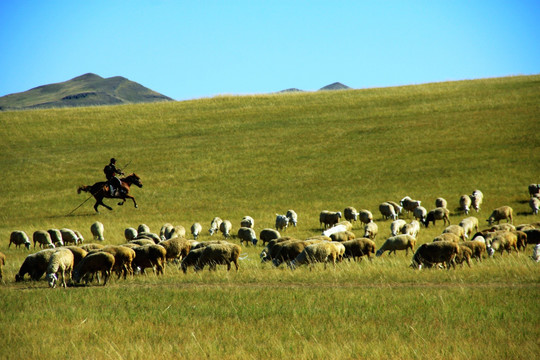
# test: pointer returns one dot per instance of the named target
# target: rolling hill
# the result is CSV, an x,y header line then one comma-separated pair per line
x,y
85,90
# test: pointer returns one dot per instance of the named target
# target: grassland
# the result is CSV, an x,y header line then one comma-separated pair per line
x,y
258,156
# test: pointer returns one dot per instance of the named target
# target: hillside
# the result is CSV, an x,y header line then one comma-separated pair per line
x,y
85,90
335,86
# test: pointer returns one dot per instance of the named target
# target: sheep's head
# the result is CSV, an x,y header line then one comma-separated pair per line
x,y
254,241
27,245
379,253
52,279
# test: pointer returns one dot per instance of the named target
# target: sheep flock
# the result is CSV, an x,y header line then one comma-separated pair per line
x,y
67,260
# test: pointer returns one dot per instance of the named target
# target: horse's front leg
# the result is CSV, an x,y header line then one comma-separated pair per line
x,y
132,198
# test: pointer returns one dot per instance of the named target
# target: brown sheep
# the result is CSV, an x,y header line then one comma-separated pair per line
x,y
88,247
447,237
150,256
430,254
500,241
501,213
464,255
357,248
477,248
266,235
191,259
342,236
437,214
455,229
288,251
441,202
219,254
533,236
177,248
94,263
123,259
78,253
320,252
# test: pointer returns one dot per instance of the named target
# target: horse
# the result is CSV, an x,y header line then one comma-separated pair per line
x,y
100,190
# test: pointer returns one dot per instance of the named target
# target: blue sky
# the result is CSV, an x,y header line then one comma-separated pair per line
x,y
193,49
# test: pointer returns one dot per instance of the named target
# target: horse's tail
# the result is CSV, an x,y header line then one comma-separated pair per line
x,y
84,188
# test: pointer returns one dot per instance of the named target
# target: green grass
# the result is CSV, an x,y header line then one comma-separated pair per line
x,y
262,155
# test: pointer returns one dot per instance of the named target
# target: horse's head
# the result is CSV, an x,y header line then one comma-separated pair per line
x,y
133,179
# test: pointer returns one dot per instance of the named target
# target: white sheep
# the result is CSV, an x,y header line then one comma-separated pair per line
x,y
247,221
465,203
248,235
396,206
43,238
469,225
420,213
387,211
292,216
476,198
56,237
411,229
534,203
19,237
176,231
60,263
225,227
97,230
501,213
396,226
398,242
214,225
282,221
143,228
266,235
130,234
196,230
456,230
536,253
165,231
320,252
335,229
441,202
371,230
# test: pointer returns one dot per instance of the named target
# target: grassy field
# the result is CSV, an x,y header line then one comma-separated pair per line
x,y
262,155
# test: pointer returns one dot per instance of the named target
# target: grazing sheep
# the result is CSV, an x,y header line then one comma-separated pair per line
x,y
56,237
271,250
148,236
441,202
387,211
534,190
536,253
60,263
464,255
35,265
97,230
329,218
322,252
150,256
501,213
350,214
476,199
420,213
247,221
123,259
142,242
478,248
534,203
267,235
451,237
455,229
80,238
214,225
465,204
196,230
437,214
469,225
94,263
78,253
521,239
90,247
130,234
342,236
43,238
292,216
19,238
500,241
431,254
225,227
287,251
2,264
165,231
396,226
411,229
357,248
409,204
398,242
177,248
69,236
507,227
282,221
533,236
219,254
191,259
247,234
335,229
143,228
396,206
371,230
365,216
176,231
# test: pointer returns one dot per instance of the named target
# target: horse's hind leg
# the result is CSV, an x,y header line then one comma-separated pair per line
x,y
100,202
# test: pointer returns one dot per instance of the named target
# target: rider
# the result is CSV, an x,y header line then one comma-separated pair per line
x,y
110,171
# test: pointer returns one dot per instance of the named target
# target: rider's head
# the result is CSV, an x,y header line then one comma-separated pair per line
x,y
113,161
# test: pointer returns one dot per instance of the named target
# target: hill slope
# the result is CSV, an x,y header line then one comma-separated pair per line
x,y
85,90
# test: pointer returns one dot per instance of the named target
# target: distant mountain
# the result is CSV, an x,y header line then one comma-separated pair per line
x,y
291,90
335,86
85,90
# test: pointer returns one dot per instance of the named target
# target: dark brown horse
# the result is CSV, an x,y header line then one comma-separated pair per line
x,y
100,190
